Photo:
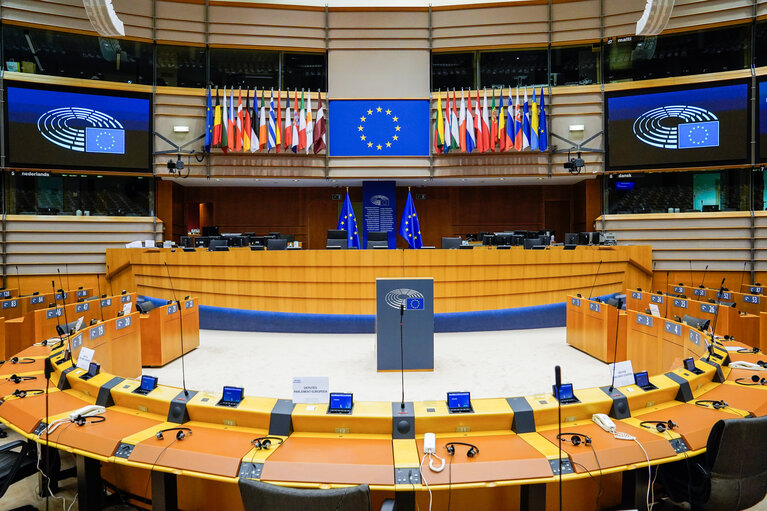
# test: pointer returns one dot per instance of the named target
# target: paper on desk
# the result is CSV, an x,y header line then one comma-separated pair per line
x,y
734,348
624,373
79,323
654,310
85,358
126,308
311,389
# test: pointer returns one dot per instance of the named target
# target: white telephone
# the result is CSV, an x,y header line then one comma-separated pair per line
x,y
87,411
746,365
604,422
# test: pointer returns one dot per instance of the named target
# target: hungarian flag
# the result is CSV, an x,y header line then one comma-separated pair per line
x,y
518,125
510,124
493,124
485,125
302,125
479,137
471,137
263,128
319,126
232,129
238,125
288,125
294,127
455,133
246,122
225,126
462,125
217,121
309,123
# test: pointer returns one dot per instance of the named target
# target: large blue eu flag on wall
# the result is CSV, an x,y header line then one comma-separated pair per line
x,y
372,127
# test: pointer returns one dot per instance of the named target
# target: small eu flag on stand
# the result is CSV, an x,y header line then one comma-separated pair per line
x,y
409,228
348,222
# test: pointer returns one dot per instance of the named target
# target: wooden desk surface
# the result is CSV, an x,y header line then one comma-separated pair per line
x,y
26,413
742,397
693,422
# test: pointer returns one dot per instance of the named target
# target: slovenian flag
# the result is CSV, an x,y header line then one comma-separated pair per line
x,y
525,123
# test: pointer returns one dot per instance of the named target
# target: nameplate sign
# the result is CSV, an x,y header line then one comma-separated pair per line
x,y
10,304
656,298
62,296
755,289
53,313
636,295
708,307
77,341
724,295
172,309
645,320
5,294
125,299
82,307
188,304
699,292
596,307
123,322
575,301
679,289
695,337
673,328
682,304
106,302
97,331
36,299
82,293
751,299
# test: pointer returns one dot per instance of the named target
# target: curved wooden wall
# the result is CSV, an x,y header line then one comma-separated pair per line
x,y
343,282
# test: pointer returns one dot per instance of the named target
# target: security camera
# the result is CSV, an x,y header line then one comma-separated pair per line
x,y
173,166
574,165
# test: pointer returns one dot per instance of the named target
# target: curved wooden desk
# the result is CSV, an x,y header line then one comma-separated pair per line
x,y
516,438
343,281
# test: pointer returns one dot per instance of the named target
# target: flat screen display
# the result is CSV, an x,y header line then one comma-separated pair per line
x,y
148,383
93,369
642,380
67,127
340,401
763,120
565,392
458,400
689,364
678,126
233,394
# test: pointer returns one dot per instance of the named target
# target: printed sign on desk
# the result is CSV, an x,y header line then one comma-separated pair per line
x,y
36,299
595,306
311,389
85,358
751,299
623,372
575,301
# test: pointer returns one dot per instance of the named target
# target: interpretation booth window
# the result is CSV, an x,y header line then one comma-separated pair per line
x,y
575,65
247,68
518,67
180,66
304,71
52,53
453,71
688,53
669,192
37,193
760,44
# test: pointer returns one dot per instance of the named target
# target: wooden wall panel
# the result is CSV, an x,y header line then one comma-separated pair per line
x,y
490,26
691,13
180,23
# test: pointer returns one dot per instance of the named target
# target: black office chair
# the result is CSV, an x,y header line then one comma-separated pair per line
x,y
216,245
258,496
15,466
276,244
378,239
337,238
451,242
144,307
730,476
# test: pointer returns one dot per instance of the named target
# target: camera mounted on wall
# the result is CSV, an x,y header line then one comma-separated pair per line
x,y
177,165
574,165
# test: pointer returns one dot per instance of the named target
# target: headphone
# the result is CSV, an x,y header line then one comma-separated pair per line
x,y
23,360
182,433
265,442
21,394
18,379
661,426
473,449
746,350
575,438
712,403
754,378
94,419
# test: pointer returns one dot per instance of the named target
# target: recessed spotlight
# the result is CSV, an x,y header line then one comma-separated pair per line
x,y
540,179
218,179
295,180
500,179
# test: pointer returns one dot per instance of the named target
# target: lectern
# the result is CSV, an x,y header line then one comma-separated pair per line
x,y
412,300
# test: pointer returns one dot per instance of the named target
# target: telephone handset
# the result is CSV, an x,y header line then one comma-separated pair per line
x,y
604,422
87,411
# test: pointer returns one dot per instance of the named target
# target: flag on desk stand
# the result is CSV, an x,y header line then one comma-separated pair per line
x,y
348,222
209,124
409,227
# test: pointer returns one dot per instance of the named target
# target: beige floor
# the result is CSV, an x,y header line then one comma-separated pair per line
x,y
489,364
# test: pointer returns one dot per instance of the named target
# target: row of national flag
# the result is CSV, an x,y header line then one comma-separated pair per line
x,y
409,227
243,128
505,128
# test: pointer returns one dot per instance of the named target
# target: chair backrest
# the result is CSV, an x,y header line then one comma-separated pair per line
x,y
378,236
276,244
736,455
337,243
217,243
451,242
258,496
337,234
378,243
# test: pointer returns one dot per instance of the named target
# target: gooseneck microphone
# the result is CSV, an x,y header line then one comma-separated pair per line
x,y
59,330
704,278
98,284
63,299
18,280
402,353
595,279
716,316
181,328
558,384
742,275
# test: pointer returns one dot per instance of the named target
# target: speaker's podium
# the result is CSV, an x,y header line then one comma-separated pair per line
x,y
412,301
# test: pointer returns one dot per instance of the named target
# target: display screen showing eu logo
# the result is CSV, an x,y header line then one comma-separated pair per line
x,y
696,125
73,127
372,127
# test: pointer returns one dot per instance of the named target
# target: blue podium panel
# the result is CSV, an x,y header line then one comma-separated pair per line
x,y
412,301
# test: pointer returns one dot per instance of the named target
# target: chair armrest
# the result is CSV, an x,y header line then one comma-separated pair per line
x,y
12,445
388,505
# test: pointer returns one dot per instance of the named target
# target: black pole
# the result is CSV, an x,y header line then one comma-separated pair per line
x,y
402,354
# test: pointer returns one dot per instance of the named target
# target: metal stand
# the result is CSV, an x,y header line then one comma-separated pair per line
x,y
164,492
90,487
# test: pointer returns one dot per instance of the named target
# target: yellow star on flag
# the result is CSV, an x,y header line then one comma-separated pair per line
x,y
395,118
378,147
362,118
396,128
370,112
388,144
362,137
388,112
370,144
379,109
360,128
395,137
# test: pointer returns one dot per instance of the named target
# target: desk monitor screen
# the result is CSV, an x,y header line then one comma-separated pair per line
x,y
641,379
148,383
459,401
689,364
340,402
232,395
565,392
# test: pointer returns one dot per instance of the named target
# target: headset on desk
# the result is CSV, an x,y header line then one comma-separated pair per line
x,y
18,379
265,442
661,426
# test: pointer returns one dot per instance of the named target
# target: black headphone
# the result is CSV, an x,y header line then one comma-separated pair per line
x,y
23,360
93,419
747,350
21,394
473,449
182,433
661,426
265,442
712,403
754,378
18,379
575,438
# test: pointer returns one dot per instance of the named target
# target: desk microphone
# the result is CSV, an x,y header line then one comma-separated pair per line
x,y
704,278
558,384
402,353
181,328
101,309
716,316
666,299
18,280
63,297
742,275
595,280
60,330
109,281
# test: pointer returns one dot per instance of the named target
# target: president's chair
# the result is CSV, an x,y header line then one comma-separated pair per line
x,y
15,466
378,239
276,244
258,496
337,238
730,476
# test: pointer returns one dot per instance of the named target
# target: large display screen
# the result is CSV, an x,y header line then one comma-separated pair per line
x,y
763,120
57,127
679,126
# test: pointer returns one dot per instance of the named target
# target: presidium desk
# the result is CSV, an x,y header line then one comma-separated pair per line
x,y
343,281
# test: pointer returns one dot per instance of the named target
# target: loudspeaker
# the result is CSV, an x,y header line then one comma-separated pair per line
x,y
104,19
655,17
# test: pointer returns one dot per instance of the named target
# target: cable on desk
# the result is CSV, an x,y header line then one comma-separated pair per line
x,y
423,479
599,494
149,478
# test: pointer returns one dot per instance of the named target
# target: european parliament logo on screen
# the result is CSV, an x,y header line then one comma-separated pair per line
x,y
408,299
82,129
678,127
372,127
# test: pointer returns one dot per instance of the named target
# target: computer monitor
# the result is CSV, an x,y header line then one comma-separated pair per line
x,y
488,239
148,384
459,402
337,234
69,328
642,379
689,364
340,402
211,230
565,393
276,244
378,236
93,370
502,238
378,244
584,238
214,244
232,396
530,243
571,238
451,242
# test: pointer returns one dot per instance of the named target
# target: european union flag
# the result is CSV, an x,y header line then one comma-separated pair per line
x,y
414,304
371,127
409,227
699,134
348,222
104,140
